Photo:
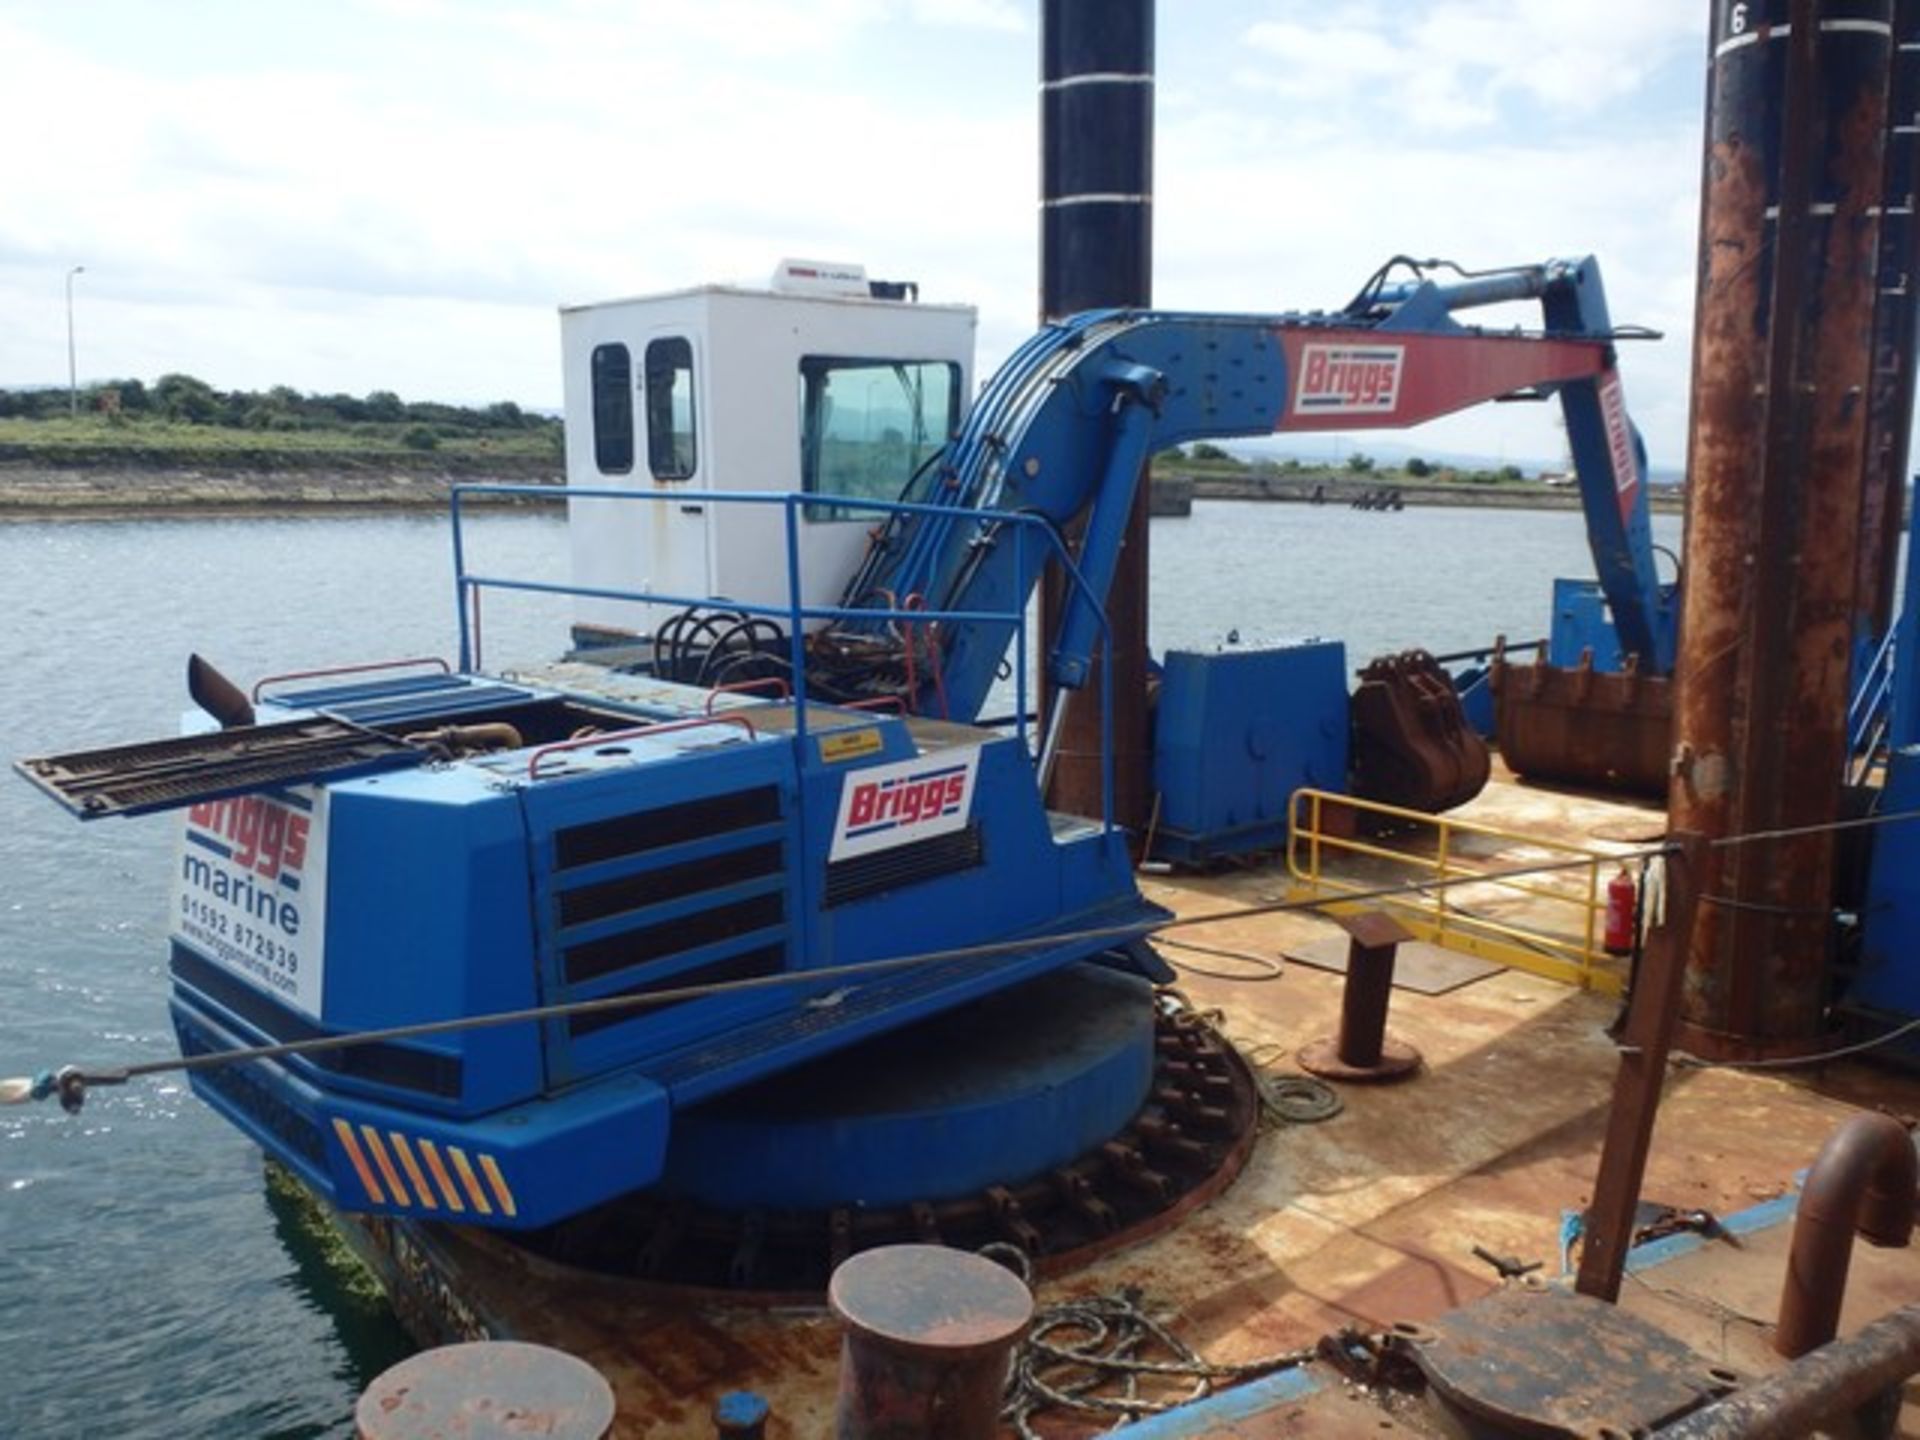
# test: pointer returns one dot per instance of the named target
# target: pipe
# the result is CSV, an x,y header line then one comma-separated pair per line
x,y
217,695
1796,128
486,735
1837,1379
1096,252
1863,1179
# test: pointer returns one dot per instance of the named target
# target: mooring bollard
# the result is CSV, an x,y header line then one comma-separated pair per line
x,y
490,1388
1363,1050
928,1333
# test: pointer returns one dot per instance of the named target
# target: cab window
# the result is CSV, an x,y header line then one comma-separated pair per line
x,y
612,409
866,427
670,448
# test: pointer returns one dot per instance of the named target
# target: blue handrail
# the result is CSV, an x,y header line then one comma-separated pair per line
x,y
1870,710
795,612
1875,685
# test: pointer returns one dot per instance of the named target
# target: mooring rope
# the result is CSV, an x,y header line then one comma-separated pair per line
x,y
1076,1348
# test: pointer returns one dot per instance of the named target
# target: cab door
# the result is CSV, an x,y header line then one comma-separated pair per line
x,y
678,557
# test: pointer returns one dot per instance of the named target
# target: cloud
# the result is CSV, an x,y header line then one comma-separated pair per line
x,y
1450,66
977,14
400,198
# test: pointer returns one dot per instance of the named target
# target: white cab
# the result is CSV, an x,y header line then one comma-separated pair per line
x,y
736,390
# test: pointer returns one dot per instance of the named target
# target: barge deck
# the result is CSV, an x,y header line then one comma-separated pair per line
x,y
1369,1219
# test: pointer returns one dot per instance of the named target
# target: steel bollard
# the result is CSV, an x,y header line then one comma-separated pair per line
x,y
740,1415
1363,1050
928,1335
489,1387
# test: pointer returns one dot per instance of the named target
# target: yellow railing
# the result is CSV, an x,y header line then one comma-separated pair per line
x,y
1547,924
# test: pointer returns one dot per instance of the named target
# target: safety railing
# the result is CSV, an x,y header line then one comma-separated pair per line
x,y
795,613
1548,924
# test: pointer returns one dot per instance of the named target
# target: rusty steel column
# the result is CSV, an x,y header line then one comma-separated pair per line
x,y
1096,252
1363,1050
1637,1084
1796,120
1890,390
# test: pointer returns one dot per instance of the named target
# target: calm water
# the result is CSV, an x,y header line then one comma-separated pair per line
x,y
149,1287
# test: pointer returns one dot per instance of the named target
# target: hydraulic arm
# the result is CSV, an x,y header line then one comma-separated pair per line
x,y
1065,428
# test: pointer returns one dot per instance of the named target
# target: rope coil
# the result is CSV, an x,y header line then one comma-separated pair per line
x,y
1079,1348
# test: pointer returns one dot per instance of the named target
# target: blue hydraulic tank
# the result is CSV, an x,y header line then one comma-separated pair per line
x,y
1236,733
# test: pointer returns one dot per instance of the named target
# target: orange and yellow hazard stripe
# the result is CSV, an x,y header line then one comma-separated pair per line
x,y
411,1173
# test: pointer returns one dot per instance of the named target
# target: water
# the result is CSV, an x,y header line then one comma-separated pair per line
x,y
149,1284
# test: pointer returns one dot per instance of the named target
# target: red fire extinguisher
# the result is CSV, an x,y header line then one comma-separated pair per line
x,y
1618,938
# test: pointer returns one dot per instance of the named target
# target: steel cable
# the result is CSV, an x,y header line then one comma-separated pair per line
x,y
73,1080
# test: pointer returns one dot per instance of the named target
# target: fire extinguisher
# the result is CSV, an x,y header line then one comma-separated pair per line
x,y
1618,937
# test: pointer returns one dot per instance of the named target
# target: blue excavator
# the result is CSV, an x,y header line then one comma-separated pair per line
x,y
596,911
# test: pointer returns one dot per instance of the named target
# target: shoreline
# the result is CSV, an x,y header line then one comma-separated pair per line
x,y
37,492
1344,492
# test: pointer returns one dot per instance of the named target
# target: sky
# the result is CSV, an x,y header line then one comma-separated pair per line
x,y
351,195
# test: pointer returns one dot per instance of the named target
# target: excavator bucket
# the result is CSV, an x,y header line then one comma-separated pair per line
x,y
1582,726
1412,745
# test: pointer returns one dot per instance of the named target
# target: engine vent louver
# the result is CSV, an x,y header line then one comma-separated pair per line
x,y
240,1087
650,887
885,870
401,1066
766,961
646,944
658,899
646,830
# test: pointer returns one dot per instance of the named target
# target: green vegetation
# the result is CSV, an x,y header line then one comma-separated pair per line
x,y
180,420
1211,462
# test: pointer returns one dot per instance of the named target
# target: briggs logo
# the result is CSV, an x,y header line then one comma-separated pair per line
x,y
1626,468
904,802
888,805
265,836
1349,379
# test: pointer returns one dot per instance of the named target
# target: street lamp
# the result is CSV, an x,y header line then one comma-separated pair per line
x,y
73,378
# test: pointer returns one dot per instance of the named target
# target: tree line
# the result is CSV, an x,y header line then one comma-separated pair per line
x,y
1356,463
187,400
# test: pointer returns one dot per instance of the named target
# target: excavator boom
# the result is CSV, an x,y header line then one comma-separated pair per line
x,y
1066,427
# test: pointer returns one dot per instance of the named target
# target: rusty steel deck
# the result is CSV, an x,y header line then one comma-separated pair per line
x,y
1366,1219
